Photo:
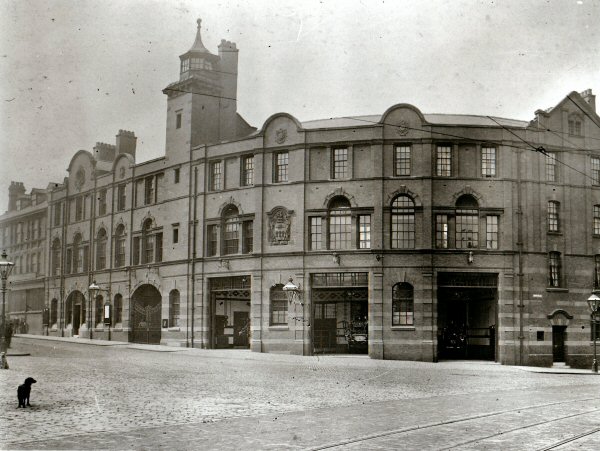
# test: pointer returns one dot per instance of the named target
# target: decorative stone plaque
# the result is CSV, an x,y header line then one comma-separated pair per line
x,y
280,222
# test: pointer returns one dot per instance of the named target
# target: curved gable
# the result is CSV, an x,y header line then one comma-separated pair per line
x,y
282,129
402,121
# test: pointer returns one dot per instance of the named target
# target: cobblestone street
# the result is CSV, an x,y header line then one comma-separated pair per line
x,y
117,395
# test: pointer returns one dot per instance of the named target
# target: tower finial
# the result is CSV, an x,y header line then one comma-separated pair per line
x,y
198,46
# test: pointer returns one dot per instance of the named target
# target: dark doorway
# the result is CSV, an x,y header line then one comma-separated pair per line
x,y
241,329
340,313
467,316
76,318
230,312
558,343
146,315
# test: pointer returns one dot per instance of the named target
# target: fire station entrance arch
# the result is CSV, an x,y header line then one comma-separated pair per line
x,y
145,315
340,312
467,315
75,312
229,312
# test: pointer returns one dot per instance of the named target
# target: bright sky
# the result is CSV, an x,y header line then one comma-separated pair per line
x,y
75,72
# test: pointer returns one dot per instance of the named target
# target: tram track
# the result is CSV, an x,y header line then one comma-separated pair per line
x,y
423,427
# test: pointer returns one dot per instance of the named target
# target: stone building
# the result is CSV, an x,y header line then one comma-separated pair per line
x,y
23,235
410,236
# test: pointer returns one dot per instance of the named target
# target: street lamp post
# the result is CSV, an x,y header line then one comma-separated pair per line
x,y
93,289
594,304
5,269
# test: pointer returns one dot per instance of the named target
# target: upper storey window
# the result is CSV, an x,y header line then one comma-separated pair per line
x,y
280,166
443,161
551,175
553,216
339,163
467,222
247,172
216,175
403,223
595,170
192,64
340,224
402,160
575,127
488,161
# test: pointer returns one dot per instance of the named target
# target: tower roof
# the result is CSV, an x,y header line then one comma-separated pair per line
x,y
198,47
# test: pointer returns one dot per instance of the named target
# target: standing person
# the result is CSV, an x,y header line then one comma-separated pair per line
x,y
8,333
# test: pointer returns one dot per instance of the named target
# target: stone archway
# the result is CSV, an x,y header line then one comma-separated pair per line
x,y
146,315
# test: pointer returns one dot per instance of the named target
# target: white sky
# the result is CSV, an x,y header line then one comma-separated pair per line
x,y
75,72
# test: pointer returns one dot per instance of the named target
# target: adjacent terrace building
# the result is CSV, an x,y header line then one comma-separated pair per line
x,y
410,235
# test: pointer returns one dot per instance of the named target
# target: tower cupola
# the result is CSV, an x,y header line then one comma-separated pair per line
x,y
197,59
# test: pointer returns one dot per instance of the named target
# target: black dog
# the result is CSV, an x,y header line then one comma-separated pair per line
x,y
24,390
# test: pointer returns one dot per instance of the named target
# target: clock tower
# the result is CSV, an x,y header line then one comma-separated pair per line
x,y
202,105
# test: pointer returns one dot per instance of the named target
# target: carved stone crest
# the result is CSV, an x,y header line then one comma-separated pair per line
x,y
280,135
402,127
280,223
79,179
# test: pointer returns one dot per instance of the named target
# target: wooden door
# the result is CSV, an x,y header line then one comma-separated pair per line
x,y
558,343
241,328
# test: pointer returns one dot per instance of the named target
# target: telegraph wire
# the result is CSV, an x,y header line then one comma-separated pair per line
x,y
537,149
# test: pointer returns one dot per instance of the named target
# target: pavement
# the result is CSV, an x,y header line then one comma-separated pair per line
x,y
115,395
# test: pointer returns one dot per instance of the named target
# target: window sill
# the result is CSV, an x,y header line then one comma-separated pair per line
x,y
173,329
403,328
554,233
282,327
557,290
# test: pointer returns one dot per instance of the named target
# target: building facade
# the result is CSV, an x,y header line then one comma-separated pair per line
x,y
410,236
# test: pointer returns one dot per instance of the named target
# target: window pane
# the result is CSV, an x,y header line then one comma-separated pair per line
x,y
402,305
467,229
402,157
364,232
340,163
553,218
212,238
231,245
340,229
248,171
316,234
596,271
488,161
551,167
441,231
596,171
216,176
403,223
491,232
279,305
281,167
554,269
444,161
248,232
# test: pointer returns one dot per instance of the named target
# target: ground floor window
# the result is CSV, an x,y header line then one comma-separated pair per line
x,y
279,306
402,305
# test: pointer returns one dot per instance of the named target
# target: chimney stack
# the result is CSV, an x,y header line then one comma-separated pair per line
x,y
15,190
126,142
589,98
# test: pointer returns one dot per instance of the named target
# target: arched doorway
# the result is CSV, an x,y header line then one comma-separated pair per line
x,y
146,315
75,311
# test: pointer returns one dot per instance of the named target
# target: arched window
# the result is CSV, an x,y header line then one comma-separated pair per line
x,y
279,306
174,308
403,222
56,257
99,309
467,222
231,226
53,311
340,223
101,249
118,309
120,246
402,304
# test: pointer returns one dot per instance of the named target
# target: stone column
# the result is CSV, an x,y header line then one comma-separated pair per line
x,y
376,315
256,309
